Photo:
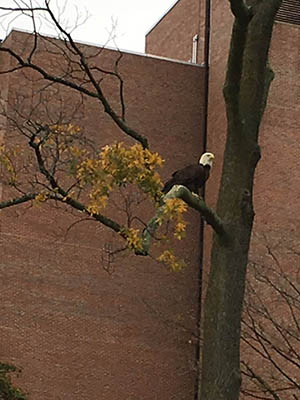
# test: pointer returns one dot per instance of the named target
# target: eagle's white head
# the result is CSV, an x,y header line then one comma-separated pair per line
x,y
207,159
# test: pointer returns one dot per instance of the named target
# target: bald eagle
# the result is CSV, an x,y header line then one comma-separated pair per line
x,y
192,177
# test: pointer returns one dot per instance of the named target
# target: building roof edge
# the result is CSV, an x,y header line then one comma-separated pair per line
x,y
162,17
108,48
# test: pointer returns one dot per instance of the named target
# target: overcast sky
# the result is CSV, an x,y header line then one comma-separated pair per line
x,y
132,19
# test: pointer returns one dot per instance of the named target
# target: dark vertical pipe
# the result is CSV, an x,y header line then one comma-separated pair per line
x,y
204,127
204,145
206,66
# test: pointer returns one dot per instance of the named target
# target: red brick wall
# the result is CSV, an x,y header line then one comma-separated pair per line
x,y
173,35
78,331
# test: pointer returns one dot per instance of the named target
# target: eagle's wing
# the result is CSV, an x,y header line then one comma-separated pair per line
x,y
191,176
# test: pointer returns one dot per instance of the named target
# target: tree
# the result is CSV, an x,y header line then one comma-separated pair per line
x,y
58,146
270,329
7,390
245,91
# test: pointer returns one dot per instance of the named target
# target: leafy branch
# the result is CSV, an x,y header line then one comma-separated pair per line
x,y
193,201
71,50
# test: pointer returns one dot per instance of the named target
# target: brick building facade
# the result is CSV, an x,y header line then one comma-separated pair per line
x,y
78,331
82,333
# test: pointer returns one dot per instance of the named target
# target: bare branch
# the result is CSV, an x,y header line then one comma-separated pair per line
x,y
75,49
18,200
270,332
77,205
261,381
22,9
98,94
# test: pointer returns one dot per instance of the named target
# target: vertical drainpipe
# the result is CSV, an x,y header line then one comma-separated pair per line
x,y
206,66
204,144
195,49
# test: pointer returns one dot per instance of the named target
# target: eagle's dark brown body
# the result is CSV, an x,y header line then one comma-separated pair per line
x,y
192,177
